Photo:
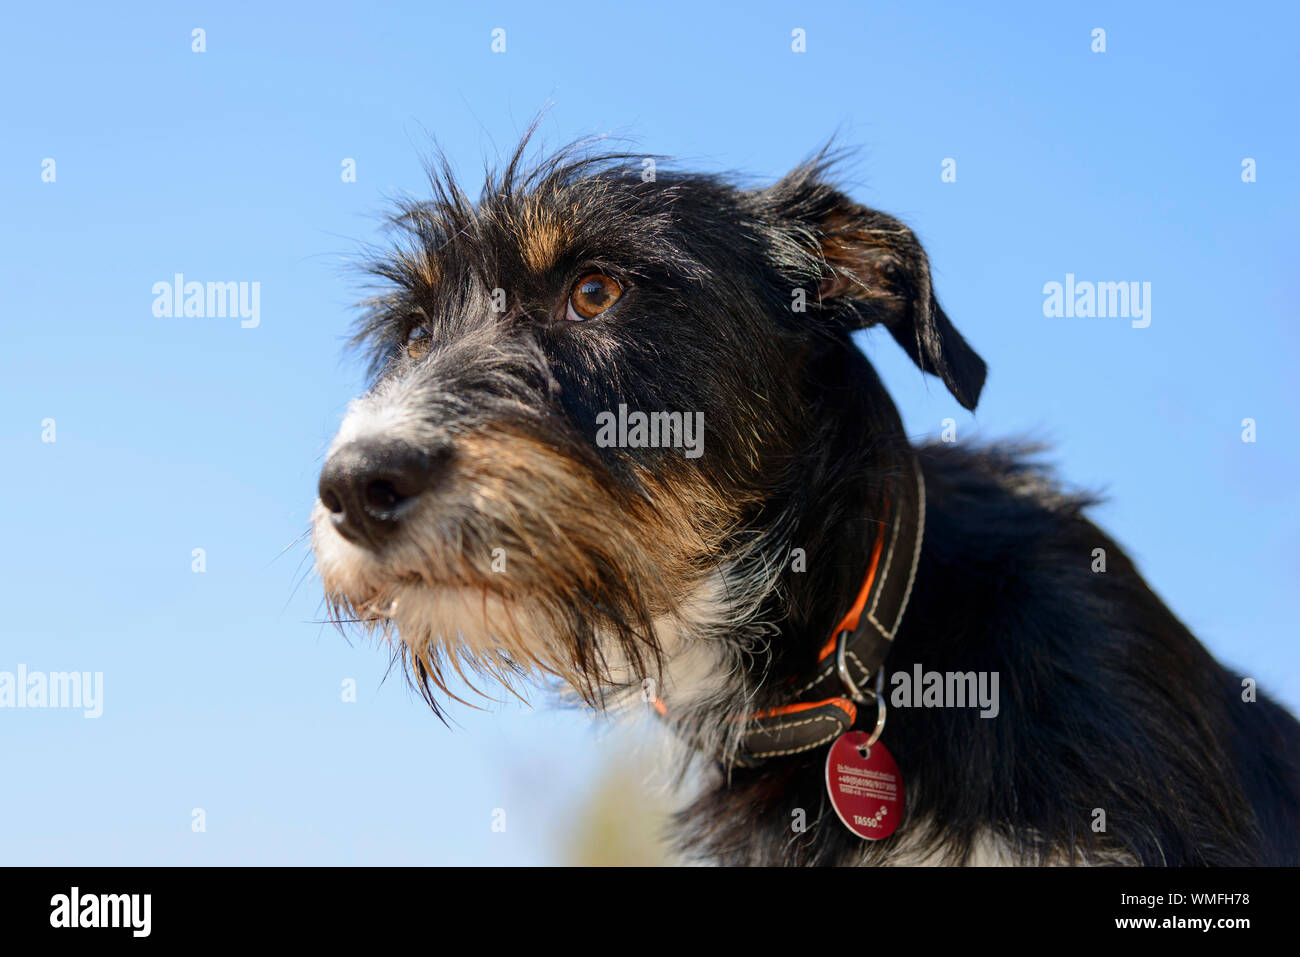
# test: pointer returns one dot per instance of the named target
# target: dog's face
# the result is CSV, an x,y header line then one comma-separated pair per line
x,y
492,497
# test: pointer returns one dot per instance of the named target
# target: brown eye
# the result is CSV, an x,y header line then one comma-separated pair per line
x,y
417,347
592,295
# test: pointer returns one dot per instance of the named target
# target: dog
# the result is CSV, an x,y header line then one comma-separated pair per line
x,y
619,440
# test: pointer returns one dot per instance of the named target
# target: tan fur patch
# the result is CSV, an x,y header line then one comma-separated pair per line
x,y
542,238
862,261
526,548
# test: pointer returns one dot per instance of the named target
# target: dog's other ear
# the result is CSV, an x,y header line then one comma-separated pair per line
x,y
874,271
878,264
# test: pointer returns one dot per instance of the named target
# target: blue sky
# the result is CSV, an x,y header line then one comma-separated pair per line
x,y
221,690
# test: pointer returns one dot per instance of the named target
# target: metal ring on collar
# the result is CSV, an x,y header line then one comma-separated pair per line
x,y
855,693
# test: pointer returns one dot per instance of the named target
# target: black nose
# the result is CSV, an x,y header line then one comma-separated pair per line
x,y
369,486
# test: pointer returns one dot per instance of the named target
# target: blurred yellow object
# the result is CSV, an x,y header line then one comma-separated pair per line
x,y
623,823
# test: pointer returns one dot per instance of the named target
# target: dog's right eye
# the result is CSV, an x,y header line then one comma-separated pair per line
x,y
592,295
418,344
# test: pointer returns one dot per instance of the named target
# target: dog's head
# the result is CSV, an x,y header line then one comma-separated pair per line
x,y
601,397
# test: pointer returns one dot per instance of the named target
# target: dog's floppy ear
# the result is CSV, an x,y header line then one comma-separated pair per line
x,y
874,271
878,263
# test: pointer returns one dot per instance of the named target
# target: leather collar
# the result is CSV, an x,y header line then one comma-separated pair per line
x,y
820,712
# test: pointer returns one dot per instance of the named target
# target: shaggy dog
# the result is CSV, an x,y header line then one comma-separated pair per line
x,y
619,435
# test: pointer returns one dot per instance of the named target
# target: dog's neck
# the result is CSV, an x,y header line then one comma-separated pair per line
x,y
838,503
760,629
823,704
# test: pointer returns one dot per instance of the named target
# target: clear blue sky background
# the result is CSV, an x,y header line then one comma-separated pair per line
x,y
222,692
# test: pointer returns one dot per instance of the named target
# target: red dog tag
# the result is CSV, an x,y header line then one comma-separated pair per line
x,y
866,792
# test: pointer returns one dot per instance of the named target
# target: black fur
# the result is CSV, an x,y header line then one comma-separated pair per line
x,y
1107,702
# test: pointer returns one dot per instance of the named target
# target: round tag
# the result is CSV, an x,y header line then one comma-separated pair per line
x,y
866,792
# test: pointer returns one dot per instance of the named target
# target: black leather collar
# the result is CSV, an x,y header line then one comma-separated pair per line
x,y
821,707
